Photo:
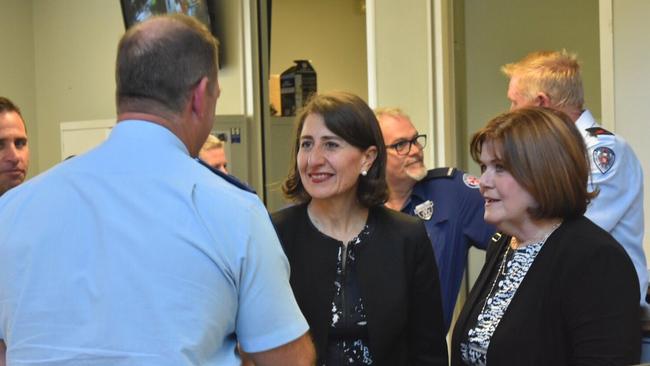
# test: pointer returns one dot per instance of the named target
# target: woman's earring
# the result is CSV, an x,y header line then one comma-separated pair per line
x,y
364,172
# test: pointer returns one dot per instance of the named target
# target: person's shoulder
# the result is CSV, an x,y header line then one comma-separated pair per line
x,y
213,195
581,242
288,214
451,176
581,235
396,221
231,179
440,174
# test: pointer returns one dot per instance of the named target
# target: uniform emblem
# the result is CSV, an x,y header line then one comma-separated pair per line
x,y
470,180
604,158
424,210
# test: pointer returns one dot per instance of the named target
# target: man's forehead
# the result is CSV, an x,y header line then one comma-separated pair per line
x,y
11,122
396,127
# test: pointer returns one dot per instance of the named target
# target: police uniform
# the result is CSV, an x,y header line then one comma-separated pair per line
x,y
618,208
449,203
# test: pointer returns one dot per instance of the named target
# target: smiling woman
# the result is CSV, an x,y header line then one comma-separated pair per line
x,y
364,276
550,271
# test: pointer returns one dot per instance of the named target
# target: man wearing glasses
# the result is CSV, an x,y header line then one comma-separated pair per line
x,y
446,199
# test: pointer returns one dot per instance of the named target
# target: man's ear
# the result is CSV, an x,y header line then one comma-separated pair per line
x,y
542,100
200,97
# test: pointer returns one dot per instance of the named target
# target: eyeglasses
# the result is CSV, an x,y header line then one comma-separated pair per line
x,y
404,147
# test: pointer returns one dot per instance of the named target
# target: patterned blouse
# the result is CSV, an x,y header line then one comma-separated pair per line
x,y
510,274
348,333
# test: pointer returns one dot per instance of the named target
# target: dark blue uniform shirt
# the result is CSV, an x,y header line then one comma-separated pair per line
x,y
449,203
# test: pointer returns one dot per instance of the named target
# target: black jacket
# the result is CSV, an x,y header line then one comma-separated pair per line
x,y
577,305
398,280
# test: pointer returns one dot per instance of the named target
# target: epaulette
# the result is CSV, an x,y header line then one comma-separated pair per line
x,y
228,178
598,131
496,237
440,173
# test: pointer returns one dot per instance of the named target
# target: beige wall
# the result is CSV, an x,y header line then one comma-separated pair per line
x,y
75,42
330,33
61,67
631,85
17,66
502,31
403,70
495,32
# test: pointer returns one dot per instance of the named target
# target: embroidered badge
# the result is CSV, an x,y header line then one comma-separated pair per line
x,y
470,180
604,158
424,210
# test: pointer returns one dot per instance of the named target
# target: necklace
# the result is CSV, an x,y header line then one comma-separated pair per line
x,y
500,271
502,267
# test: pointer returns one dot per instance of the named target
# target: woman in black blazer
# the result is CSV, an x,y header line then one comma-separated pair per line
x,y
364,276
555,289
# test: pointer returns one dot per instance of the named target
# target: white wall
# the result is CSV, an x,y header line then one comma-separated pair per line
x,y
632,85
17,66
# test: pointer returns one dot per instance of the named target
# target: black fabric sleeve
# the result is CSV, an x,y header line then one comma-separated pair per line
x,y
426,337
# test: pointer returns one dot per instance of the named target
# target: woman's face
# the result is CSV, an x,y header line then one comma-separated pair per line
x,y
329,166
506,201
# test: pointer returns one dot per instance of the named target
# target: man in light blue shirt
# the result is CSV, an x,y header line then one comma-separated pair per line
x,y
135,254
552,79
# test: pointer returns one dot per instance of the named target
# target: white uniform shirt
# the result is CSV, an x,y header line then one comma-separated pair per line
x,y
135,254
618,209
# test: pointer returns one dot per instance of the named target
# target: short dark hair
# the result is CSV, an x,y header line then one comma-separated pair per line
x,y
546,155
7,105
158,67
350,118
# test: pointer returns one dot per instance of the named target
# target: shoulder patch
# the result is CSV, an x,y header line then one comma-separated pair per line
x,y
598,131
470,181
440,173
604,158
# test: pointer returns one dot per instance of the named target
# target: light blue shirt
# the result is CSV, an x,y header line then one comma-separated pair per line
x,y
135,254
619,206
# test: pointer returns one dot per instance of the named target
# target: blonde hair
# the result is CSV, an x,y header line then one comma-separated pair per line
x,y
212,142
391,112
555,73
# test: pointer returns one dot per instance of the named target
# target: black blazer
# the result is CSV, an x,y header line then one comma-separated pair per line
x,y
398,280
577,305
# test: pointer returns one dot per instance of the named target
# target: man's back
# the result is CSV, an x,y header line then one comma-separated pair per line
x,y
618,208
134,254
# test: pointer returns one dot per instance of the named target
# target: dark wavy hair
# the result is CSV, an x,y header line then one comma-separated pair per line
x,y
546,155
350,118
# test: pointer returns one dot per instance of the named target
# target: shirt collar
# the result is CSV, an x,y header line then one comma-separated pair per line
x,y
147,134
585,121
